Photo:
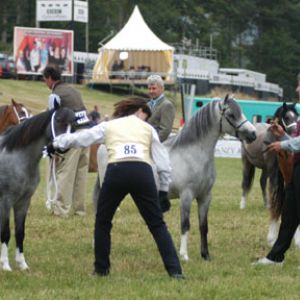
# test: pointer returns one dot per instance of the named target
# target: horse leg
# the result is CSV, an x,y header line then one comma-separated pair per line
x,y
263,186
273,232
297,238
20,217
203,224
248,175
185,209
5,237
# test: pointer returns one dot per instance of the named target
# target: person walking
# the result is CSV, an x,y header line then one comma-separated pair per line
x,y
71,167
290,216
163,110
132,145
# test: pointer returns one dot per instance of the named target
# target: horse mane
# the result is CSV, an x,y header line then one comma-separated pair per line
x,y
3,109
198,126
25,133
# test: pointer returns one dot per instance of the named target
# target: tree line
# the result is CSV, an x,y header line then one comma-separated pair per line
x,y
260,35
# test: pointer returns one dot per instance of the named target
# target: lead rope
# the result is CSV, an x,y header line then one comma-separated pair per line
x,y
51,189
51,179
51,184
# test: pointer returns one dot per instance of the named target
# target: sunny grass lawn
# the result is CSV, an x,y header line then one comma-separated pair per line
x,y
60,255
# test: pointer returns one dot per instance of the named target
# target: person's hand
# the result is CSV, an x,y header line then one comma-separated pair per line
x,y
50,150
277,130
164,201
276,146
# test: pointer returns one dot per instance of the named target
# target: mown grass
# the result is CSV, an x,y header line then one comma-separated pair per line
x,y
60,255
34,94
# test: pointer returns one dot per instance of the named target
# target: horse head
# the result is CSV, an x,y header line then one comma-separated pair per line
x,y
234,122
62,121
20,112
287,116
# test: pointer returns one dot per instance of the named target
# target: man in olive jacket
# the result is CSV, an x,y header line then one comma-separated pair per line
x,y
162,118
163,110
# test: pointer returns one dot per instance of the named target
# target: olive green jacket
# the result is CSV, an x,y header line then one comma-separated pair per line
x,y
163,115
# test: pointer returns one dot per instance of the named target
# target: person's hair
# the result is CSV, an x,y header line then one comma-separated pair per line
x,y
53,72
155,79
130,106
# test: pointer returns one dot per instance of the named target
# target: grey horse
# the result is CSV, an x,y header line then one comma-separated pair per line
x,y
254,155
191,153
21,148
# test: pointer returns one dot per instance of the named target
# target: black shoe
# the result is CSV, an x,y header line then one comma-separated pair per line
x,y
177,276
100,273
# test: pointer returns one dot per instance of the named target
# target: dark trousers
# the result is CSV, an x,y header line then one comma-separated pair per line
x,y
136,179
290,218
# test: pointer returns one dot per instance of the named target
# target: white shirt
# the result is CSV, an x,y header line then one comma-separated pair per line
x,y
96,135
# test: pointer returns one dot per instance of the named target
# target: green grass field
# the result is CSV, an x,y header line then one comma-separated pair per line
x,y
60,255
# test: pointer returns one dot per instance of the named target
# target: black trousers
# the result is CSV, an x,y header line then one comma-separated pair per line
x,y
290,218
136,179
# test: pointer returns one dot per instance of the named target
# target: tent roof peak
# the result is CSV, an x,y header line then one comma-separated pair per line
x,y
136,36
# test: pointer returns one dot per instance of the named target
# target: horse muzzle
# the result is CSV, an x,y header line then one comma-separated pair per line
x,y
251,137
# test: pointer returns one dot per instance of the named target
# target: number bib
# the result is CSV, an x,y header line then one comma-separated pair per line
x,y
82,117
130,150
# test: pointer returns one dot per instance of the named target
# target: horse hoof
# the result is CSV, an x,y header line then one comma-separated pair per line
x,y
5,267
205,256
23,266
242,205
184,257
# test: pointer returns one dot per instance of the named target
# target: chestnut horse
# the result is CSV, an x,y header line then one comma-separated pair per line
x,y
12,114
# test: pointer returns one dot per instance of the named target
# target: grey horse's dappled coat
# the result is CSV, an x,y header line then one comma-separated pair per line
x,y
21,149
192,160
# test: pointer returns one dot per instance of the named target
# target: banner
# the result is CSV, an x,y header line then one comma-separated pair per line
x,y
81,11
34,48
54,10
228,148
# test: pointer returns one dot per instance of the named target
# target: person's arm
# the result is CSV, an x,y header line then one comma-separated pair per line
x,y
83,138
291,144
166,121
161,159
287,143
52,99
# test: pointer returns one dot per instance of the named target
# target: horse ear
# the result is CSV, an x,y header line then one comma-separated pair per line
x,y
13,102
284,105
226,98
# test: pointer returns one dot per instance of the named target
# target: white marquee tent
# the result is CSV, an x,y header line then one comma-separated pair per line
x,y
138,48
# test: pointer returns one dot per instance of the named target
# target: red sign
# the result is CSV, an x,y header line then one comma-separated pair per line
x,y
34,48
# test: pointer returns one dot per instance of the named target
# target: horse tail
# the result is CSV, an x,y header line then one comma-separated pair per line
x,y
248,174
277,193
